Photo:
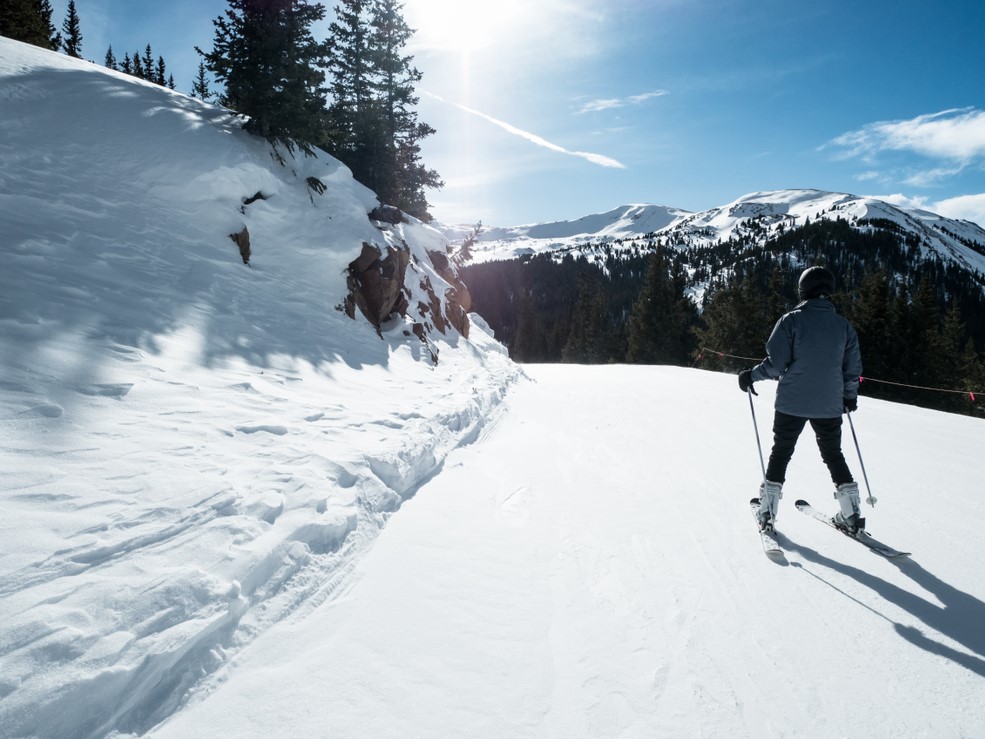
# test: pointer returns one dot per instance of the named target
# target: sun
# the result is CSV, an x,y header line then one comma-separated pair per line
x,y
463,25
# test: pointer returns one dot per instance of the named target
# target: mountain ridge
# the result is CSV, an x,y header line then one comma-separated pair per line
x,y
769,212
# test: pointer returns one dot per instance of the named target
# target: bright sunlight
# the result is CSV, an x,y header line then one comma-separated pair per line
x,y
462,25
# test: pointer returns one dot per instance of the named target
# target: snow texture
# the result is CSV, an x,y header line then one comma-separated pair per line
x,y
229,510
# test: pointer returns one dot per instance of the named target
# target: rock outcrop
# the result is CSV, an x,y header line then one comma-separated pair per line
x,y
419,284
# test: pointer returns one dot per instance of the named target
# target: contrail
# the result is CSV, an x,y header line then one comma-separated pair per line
x,y
599,159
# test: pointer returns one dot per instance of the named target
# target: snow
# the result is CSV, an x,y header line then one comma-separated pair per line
x,y
624,222
589,568
229,510
624,227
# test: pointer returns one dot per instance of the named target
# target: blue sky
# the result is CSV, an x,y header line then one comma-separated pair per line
x,y
553,109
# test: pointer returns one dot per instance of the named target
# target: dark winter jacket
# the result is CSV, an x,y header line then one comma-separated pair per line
x,y
814,352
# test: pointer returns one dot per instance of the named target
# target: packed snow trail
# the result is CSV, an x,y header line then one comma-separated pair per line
x,y
588,569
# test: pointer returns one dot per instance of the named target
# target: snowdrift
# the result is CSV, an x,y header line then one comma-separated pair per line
x,y
192,448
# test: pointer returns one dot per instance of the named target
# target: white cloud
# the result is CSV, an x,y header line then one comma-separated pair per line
x,y
869,176
595,106
599,159
953,135
968,207
929,177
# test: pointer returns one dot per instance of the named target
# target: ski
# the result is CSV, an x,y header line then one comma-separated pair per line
x,y
770,544
862,537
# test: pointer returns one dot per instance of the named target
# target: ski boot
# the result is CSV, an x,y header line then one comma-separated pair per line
x,y
849,518
769,501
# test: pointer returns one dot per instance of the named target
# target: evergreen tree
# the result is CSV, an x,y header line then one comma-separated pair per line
x,y
374,128
160,72
397,174
736,323
200,87
352,112
23,20
171,84
72,39
147,63
54,38
873,317
126,66
138,66
265,55
588,339
110,58
660,323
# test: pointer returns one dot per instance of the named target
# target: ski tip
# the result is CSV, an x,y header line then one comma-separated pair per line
x,y
802,503
754,501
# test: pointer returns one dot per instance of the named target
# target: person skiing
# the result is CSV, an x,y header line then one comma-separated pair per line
x,y
814,353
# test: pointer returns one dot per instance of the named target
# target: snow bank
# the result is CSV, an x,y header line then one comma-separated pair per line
x,y
193,449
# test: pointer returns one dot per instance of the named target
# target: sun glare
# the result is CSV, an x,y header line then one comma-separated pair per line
x,y
462,25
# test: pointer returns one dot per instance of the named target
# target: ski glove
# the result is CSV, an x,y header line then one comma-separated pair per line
x,y
851,404
745,382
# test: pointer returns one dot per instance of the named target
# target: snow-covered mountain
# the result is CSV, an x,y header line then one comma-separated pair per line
x,y
205,471
760,215
626,222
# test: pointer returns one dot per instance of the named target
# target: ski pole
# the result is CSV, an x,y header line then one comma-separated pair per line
x,y
870,500
756,427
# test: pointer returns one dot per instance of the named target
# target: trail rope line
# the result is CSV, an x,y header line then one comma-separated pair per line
x,y
969,393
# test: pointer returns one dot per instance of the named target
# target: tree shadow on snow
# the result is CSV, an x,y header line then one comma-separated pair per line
x,y
117,269
960,617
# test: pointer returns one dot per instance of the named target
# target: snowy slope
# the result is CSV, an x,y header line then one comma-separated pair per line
x,y
229,510
192,448
589,568
769,211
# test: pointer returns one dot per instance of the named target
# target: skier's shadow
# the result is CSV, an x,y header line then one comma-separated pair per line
x,y
959,618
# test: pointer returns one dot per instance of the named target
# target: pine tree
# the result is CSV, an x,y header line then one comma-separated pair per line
x,y
374,128
53,39
171,84
265,54
200,87
398,176
138,66
160,72
110,58
126,66
351,114
72,40
735,323
874,318
147,63
23,20
589,336
660,323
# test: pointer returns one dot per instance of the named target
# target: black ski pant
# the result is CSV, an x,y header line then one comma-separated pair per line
x,y
786,431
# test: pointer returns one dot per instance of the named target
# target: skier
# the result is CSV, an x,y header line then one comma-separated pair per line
x,y
814,353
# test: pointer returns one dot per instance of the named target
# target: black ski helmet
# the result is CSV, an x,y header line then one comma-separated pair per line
x,y
816,282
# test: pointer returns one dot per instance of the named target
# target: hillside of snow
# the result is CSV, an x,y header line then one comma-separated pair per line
x,y
193,449
228,510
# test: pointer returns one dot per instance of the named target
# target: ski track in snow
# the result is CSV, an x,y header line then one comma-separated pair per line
x,y
193,449
157,579
589,569
199,459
